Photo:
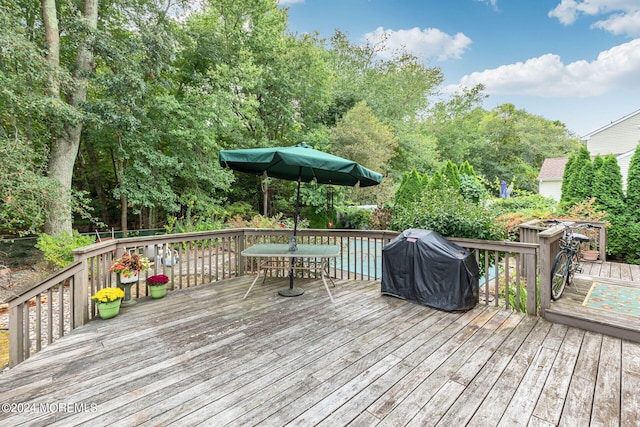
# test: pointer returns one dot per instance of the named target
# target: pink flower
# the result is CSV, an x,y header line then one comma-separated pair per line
x,y
158,279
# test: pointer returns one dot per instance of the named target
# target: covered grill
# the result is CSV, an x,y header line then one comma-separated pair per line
x,y
422,266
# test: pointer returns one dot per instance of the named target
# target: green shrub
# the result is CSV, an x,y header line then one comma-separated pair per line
x,y
355,218
410,188
190,224
57,250
450,214
534,205
320,218
259,221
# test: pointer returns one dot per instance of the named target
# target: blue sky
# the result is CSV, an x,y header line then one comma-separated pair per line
x,y
577,61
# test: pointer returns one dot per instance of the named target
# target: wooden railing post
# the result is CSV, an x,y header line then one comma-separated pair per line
x,y
81,296
546,258
532,284
603,242
242,243
16,335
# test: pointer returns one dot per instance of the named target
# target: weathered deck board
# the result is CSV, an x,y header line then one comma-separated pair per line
x,y
569,309
205,356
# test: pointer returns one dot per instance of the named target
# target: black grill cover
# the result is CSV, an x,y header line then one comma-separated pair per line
x,y
421,265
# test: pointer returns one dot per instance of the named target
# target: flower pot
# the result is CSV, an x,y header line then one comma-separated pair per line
x,y
158,291
132,278
107,310
590,255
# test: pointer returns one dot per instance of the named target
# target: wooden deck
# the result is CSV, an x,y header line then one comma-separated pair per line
x,y
569,309
204,355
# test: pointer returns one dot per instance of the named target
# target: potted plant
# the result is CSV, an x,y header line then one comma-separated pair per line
x,y
108,301
129,266
157,285
591,252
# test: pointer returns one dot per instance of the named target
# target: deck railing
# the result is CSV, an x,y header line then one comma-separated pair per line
x,y
61,303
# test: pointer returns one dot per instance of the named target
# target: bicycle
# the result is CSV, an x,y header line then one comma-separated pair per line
x,y
567,262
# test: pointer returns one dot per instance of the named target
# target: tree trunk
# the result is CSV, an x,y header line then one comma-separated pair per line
x,y
65,148
123,211
52,37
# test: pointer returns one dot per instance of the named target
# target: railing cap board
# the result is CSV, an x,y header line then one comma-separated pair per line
x,y
150,240
496,245
44,285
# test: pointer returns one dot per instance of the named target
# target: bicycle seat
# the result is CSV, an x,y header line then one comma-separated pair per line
x,y
580,237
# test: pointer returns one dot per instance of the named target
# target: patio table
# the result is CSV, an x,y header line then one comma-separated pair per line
x,y
271,251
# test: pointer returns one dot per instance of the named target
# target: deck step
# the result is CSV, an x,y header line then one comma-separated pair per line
x,y
590,319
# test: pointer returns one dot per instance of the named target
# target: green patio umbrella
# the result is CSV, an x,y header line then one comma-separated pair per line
x,y
299,163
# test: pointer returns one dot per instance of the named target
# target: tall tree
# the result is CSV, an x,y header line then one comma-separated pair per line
x,y
67,141
455,124
360,136
632,199
410,189
607,186
570,176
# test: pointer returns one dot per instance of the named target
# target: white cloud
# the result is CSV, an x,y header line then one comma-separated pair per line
x,y
622,16
547,76
493,3
423,43
618,24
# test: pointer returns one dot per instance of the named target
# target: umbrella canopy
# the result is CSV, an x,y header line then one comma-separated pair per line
x,y
301,162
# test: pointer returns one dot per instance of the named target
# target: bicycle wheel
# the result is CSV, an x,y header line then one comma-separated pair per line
x,y
559,274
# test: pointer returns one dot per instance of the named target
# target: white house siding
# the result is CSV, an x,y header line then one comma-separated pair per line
x,y
616,138
619,138
551,188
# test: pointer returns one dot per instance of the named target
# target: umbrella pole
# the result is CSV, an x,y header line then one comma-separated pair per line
x,y
292,291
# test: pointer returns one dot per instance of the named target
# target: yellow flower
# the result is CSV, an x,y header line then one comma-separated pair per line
x,y
108,295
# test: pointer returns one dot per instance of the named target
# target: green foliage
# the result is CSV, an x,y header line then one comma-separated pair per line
x,y
471,188
451,174
572,183
436,181
447,212
512,144
623,239
321,219
241,209
598,162
531,205
607,186
515,303
259,221
632,200
165,95
583,182
410,189
361,137
58,250
25,191
467,169
355,218
191,224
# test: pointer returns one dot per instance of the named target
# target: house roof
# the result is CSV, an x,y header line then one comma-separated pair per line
x,y
552,169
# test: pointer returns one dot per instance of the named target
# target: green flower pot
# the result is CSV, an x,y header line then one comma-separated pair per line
x,y
107,310
158,291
